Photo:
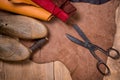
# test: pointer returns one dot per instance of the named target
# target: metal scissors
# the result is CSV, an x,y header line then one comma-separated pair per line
x,y
92,48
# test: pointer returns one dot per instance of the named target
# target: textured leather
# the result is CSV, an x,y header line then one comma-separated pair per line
x,y
98,23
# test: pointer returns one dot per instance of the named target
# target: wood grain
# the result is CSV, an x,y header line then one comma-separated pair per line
x,y
26,71
32,71
61,72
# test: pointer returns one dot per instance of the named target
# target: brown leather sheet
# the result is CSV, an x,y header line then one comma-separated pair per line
x,y
98,23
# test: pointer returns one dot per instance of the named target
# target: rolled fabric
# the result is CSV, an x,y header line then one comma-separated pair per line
x,y
66,6
32,11
52,8
91,1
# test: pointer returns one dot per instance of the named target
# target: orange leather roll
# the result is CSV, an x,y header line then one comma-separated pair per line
x,y
28,10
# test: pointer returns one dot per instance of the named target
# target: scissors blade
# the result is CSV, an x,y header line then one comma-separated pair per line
x,y
80,32
75,40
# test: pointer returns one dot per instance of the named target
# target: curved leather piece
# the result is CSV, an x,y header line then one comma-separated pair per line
x,y
98,23
27,10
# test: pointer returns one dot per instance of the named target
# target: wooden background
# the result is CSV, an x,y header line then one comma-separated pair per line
x,y
32,71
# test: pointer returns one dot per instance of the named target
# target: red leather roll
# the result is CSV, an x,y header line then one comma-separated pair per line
x,y
52,8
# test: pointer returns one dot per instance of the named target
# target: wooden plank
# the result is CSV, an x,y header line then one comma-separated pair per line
x,y
28,71
2,74
33,71
61,72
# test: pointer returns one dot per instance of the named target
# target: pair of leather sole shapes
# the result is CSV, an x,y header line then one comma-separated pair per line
x,y
22,27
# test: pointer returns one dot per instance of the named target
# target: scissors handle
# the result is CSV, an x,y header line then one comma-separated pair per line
x,y
115,54
111,52
101,63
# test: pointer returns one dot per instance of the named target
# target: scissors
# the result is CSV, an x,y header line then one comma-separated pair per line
x,y
92,48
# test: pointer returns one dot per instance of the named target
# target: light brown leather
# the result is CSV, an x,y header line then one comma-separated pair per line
x,y
98,23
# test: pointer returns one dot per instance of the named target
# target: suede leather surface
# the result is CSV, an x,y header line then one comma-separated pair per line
x,y
98,23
